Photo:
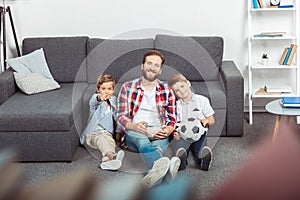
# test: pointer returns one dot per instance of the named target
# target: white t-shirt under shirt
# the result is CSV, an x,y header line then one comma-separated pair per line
x,y
148,109
198,107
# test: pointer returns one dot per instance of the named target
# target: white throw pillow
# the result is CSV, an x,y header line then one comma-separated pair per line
x,y
34,62
34,83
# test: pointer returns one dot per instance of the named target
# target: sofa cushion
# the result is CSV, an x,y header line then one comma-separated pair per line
x,y
115,57
33,62
49,111
7,84
65,56
198,58
212,90
34,83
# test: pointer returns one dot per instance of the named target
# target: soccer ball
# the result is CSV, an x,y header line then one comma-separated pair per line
x,y
191,130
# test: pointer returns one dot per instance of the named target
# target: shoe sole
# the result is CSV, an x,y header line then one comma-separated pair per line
x,y
182,158
111,165
158,171
206,159
120,155
173,169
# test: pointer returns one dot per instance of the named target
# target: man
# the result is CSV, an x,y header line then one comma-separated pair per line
x,y
145,105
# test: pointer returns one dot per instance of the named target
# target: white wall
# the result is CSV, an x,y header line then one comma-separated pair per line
x,y
141,18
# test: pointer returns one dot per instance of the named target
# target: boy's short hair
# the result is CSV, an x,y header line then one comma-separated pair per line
x,y
176,78
104,78
154,53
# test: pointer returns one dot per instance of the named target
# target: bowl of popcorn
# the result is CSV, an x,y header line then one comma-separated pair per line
x,y
152,130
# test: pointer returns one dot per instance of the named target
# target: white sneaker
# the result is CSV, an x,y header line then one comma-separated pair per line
x,y
111,165
173,169
156,174
120,155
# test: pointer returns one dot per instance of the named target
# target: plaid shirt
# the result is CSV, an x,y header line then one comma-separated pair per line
x,y
130,98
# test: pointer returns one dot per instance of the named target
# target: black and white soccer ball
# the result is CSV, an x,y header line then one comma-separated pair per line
x,y
191,130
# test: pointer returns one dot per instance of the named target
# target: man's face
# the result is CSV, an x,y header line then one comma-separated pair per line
x,y
152,67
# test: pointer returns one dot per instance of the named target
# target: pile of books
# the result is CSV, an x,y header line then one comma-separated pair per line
x,y
291,101
270,34
266,90
288,55
283,89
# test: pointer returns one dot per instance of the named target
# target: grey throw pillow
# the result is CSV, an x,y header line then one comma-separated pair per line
x,y
34,83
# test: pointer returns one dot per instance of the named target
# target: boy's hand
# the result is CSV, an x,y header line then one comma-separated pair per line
x,y
103,97
176,135
204,122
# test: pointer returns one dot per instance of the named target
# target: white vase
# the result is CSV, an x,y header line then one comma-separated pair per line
x,y
265,61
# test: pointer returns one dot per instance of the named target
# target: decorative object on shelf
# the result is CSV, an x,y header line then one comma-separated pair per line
x,y
3,10
265,59
274,2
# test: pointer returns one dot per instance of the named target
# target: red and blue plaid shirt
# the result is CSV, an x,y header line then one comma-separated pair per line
x,y
130,98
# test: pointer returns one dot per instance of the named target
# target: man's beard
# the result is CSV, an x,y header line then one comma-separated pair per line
x,y
149,78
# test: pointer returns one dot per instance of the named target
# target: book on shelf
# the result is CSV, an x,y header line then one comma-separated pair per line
x,y
292,54
283,89
290,101
287,55
274,32
260,3
255,4
283,55
270,34
262,91
286,6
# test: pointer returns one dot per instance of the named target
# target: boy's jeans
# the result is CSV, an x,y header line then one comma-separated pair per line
x,y
150,151
196,146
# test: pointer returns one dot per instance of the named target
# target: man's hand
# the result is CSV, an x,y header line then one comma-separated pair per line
x,y
137,127
164,132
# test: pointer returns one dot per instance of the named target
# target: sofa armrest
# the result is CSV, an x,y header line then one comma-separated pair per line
x,y
234,89
7,84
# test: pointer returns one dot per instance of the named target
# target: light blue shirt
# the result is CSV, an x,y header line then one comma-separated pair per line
x,y
100,115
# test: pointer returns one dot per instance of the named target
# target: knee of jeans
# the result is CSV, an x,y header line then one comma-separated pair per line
x,y
146,149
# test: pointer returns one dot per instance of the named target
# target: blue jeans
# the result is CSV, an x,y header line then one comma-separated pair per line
x,y
150,150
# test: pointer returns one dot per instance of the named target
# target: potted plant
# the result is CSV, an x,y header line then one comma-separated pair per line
x,y
265,59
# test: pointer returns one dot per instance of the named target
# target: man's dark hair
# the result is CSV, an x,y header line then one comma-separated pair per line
x,y
154,53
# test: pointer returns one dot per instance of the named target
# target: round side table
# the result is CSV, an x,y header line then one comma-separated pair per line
x,y
276,108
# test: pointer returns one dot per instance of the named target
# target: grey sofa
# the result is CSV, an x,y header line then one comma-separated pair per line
x,y
45,126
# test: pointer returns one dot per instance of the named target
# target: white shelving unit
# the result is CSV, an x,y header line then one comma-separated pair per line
x,y
272,20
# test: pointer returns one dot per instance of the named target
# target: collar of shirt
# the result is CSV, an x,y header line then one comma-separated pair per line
x,y
139,84
193,99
